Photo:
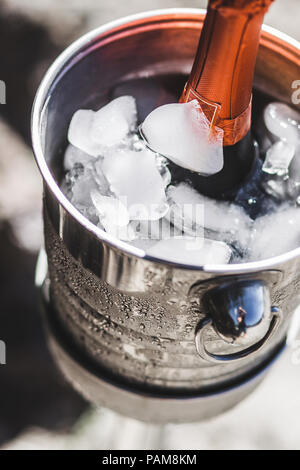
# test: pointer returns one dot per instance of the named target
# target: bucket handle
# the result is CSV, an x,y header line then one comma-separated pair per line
x,y
240,314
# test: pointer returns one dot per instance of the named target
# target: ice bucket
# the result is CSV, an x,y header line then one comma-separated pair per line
x,y
153,340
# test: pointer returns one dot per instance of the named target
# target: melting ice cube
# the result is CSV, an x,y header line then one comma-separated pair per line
x,y
216,216
198,252
81,188
75,155
110,208
181,132
156,230
276,233
276,187
294,169
125,233
163,169
113,216
135,179
114,121
79,132
283,121
186,209
93,131
278,158
100,178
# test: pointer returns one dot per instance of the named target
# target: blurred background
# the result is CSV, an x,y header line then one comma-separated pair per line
x,y
38,409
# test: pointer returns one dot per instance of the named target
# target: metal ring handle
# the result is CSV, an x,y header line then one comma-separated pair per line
x,y
216,358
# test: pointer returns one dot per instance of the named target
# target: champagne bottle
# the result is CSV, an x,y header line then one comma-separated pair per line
x,y
221,80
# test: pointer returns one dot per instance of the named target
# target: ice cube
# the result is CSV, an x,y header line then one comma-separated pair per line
x,y
114,121
181,132
79,132
293,189
113,216
135,179
162,165
137,143
294,169
127,233
215,216
284,170
143,243
94,131
74,174
75,155
276,233
186,209
283,121
197,253
110,209
278,158
124,233
156,230
100,178
276,187
81,189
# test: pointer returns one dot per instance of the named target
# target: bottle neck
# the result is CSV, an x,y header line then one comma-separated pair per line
x,y
222,74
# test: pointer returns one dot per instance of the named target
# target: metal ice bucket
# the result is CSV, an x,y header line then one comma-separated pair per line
x,y
153,340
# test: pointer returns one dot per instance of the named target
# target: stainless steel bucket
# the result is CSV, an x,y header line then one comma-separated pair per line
x,y
152,339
